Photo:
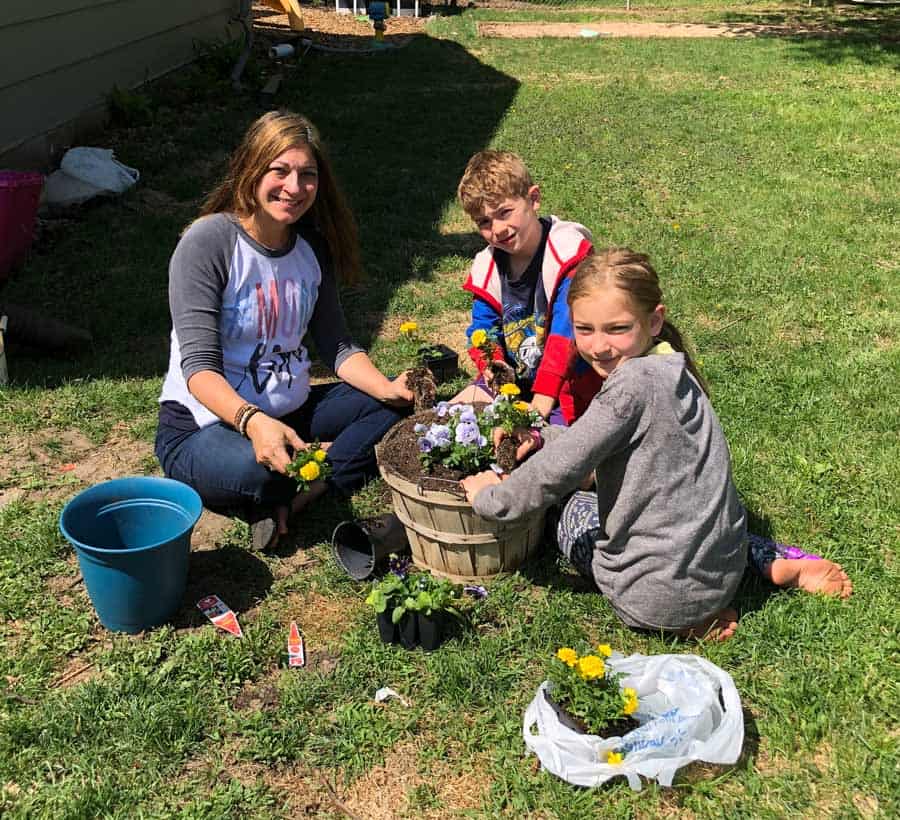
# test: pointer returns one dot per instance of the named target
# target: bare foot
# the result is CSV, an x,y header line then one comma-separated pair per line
x,y
821,576
720,627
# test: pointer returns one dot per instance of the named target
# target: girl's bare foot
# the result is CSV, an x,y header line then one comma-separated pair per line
x,y
822,576
720,627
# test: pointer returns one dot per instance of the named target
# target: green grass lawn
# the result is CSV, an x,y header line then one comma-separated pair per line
x,y
761,175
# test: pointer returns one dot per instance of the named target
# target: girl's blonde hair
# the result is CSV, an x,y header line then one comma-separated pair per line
x,y
267,138
632,272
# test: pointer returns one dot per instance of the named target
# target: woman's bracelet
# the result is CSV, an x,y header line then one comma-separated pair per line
x,y
245,412
240,412
247,416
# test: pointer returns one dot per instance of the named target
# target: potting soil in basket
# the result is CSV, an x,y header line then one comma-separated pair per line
x,y
689,709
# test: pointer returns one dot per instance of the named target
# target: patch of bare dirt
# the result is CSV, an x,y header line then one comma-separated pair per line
x,y
258,697
67,590
209,532
54,465
610,28
77,670
325,27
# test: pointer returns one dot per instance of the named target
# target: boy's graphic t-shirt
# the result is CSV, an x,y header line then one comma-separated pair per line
x,y
524,310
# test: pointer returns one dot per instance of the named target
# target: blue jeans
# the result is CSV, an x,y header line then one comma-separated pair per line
x,y
220,464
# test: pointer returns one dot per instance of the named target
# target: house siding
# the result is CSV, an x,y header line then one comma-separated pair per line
x,y
59,59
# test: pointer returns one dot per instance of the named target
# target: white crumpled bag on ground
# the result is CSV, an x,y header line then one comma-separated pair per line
x,y
681,720
100,168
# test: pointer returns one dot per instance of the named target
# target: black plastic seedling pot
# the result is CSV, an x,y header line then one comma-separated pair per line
x,y
387,629
431,631
414,629
441,361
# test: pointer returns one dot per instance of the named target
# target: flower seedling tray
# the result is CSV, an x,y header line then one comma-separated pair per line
x,y
414,629
441,360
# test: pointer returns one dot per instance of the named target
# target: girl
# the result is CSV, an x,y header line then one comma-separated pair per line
x,y
248,279
664,535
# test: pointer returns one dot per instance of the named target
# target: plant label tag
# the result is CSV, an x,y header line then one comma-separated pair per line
x,y
222,615
296,647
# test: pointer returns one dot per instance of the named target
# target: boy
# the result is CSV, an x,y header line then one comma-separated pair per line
x,y
519,282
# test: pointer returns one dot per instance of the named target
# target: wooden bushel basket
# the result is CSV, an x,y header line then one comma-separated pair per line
x,y
447,536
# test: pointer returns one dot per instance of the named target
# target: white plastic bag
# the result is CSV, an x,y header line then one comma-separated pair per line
x,y
681,720
98,167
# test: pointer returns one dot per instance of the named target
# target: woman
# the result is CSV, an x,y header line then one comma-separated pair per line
x,y
247,280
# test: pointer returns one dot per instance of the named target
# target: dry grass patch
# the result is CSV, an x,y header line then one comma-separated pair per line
x,y
321,619
385,791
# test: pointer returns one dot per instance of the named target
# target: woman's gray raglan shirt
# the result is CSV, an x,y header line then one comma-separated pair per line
x,y
242,310
672,545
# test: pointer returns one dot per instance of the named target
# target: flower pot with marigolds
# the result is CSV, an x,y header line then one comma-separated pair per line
x,y
587,697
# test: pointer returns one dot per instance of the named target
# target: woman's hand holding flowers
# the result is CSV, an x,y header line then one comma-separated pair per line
x,y
273,442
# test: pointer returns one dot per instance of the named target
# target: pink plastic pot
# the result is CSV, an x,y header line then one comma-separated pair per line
x,y
20,192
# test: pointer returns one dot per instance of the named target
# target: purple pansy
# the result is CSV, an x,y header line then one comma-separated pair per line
x,y
467,433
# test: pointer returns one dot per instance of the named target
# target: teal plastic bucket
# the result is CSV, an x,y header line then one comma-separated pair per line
x,y
133,541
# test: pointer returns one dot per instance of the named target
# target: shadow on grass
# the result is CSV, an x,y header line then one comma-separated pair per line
x,y
845,32
237,576
399,125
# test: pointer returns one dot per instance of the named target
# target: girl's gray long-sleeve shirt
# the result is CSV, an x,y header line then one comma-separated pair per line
x,y
672,544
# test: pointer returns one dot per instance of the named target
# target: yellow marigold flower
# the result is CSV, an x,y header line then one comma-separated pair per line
x,y
567,656
522,406
320,455
628,693
630,706
604,649
613,758
591,667
510,390
478,337
409,327
310,471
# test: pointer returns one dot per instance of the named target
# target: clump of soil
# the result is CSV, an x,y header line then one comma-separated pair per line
x,y
497,374
424,389
506,454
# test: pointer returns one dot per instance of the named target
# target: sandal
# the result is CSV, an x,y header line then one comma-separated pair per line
x,y
263,534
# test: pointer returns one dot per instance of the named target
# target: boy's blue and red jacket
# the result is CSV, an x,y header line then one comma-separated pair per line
x,y
567,244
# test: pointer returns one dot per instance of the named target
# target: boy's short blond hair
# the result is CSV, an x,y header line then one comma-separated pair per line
x,y
490,177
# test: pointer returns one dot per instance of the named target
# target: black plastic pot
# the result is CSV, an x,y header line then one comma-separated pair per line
x,y
386,628
408,631
441,360
431,630
358,548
